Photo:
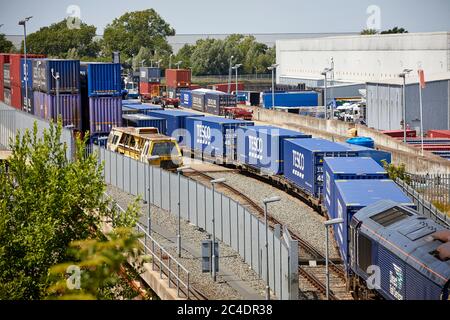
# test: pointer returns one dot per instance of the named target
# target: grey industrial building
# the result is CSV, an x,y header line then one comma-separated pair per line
x,y
385,106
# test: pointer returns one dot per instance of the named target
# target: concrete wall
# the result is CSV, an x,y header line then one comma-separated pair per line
x,y
364,58
337,131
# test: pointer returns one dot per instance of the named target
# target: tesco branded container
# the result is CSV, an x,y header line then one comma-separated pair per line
x,y
45,106
291,99
378,155
6,75
105,113
69,72
150,74
142,120
198,100
262,147
216,101
303,162
353,195
347,169
103,79
186,98
176,78
176,122
214,136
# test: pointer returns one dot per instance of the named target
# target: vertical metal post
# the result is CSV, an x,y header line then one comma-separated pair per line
x,y
179,215
273,88
229,75
325,96
237,89
404,108
213,235
57,97
327,272
149,217
267,254
26,66
421,117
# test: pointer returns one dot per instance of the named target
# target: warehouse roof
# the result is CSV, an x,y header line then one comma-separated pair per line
x,y
412,78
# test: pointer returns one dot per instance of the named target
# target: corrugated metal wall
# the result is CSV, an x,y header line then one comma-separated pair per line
x,y
384,106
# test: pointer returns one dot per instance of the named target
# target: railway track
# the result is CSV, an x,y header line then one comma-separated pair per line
x,y
308,273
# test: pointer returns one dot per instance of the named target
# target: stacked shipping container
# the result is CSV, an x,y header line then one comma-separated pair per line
x,y
149,82
45,90
176,80
101,96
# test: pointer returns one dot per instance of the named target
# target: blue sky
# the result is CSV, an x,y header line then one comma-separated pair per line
x,y
239,16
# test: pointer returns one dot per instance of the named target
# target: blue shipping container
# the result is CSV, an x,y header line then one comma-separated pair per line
x,y
105,113
103,79
176,122
377,155
69,73
142,120
303,162
186,98
30,73
353,195
291,99
213,136
347,169
262,147
143,108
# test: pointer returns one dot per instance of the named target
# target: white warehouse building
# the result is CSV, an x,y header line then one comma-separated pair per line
x,y
374,62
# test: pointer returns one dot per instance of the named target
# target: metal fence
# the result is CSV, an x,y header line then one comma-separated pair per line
x,y
234,225
424,206
13,121
225,78
169,268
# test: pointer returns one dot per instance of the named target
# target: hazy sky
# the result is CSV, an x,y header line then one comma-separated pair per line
x,y
239,16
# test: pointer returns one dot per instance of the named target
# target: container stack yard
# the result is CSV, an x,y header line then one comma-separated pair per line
x,y
150,82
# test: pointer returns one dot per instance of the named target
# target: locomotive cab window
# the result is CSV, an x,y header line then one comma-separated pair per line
x,y
390,216
164,149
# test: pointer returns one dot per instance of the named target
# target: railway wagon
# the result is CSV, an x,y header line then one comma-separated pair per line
x,y
352,196
378,155
214,137
176,122
303,162
347,169
261,147
409,253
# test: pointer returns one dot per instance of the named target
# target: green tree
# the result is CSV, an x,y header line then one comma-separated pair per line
x,y
134,30
394,30
58,40
5,44
184,55
396,172
46,202
369,32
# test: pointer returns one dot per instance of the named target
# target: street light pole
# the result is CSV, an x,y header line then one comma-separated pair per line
x,y
267,201
236,67
214,182
179,170
229,74
25,67
273,68
327,271
149,218
178,64
56,77
170,61
403,75
325,73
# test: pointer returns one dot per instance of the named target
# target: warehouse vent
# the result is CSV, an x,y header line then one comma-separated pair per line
x,y
390,216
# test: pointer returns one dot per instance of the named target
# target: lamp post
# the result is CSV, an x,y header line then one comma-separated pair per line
x,y
266,202
325,73
56,77
25,67
327,271
170,61
159,63
178,64
403,75
273,68
149,218
214,182
229,74
236,67
179,170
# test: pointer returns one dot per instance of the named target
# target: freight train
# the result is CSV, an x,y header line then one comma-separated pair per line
x,y
383,237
